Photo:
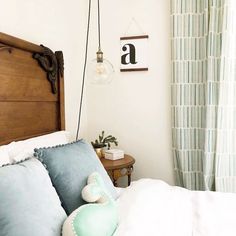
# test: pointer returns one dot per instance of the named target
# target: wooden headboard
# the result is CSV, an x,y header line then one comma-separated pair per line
x,y
31,90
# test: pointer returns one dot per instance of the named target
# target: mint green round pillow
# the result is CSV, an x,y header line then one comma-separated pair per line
x,y
99,218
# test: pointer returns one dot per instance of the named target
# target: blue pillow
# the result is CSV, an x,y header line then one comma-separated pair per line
x,y
69,166
29,204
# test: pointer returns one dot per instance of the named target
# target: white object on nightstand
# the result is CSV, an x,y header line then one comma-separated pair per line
x,y
114,154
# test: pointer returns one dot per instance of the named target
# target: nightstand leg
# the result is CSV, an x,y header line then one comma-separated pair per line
x,y
129,179
115,183
130,170
114,180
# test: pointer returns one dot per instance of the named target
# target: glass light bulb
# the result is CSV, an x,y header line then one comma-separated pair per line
x,y
100,72
100,69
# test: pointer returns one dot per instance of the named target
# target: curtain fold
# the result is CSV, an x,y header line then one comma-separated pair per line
x,y
226,136
198,66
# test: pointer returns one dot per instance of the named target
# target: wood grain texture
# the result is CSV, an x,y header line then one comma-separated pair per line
x,y
133,69
60,59
118,164
19,43
40,117
28,107
134,37
22,79
119,168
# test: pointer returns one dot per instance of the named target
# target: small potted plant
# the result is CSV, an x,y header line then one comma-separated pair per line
x,y
103,142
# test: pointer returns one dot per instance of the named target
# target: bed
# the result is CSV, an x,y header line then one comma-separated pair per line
x,y
32,104
152,207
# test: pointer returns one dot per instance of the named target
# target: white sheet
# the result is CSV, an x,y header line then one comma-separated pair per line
x,y
4,156
21,150
152,207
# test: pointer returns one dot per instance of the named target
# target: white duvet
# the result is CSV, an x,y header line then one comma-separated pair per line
x,y
152,207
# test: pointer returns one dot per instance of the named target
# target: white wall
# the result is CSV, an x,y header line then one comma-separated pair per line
x,y
136,106
59,25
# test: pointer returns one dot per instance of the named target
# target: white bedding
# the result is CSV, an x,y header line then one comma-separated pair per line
x,y
152,207
21,150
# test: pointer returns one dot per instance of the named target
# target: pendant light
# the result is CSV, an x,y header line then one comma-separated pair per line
x,y
100,70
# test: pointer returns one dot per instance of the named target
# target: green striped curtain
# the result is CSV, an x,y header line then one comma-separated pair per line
x,y
197,31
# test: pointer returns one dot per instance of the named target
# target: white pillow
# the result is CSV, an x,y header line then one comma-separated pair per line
x,y
4,156
21,150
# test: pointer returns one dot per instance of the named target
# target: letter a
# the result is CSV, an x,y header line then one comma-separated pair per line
x,y
129,58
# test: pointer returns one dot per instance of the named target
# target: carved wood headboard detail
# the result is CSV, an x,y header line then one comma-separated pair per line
x,y
31,90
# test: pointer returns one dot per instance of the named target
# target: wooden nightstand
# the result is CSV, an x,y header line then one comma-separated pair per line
x,y
119,168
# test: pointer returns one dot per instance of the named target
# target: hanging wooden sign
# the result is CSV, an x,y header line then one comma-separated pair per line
x,y
134,53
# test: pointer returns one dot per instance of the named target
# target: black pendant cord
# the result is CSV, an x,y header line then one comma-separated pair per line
x,y
84,70
99,26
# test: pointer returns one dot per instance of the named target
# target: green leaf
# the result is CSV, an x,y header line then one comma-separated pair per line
x,y
100,138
